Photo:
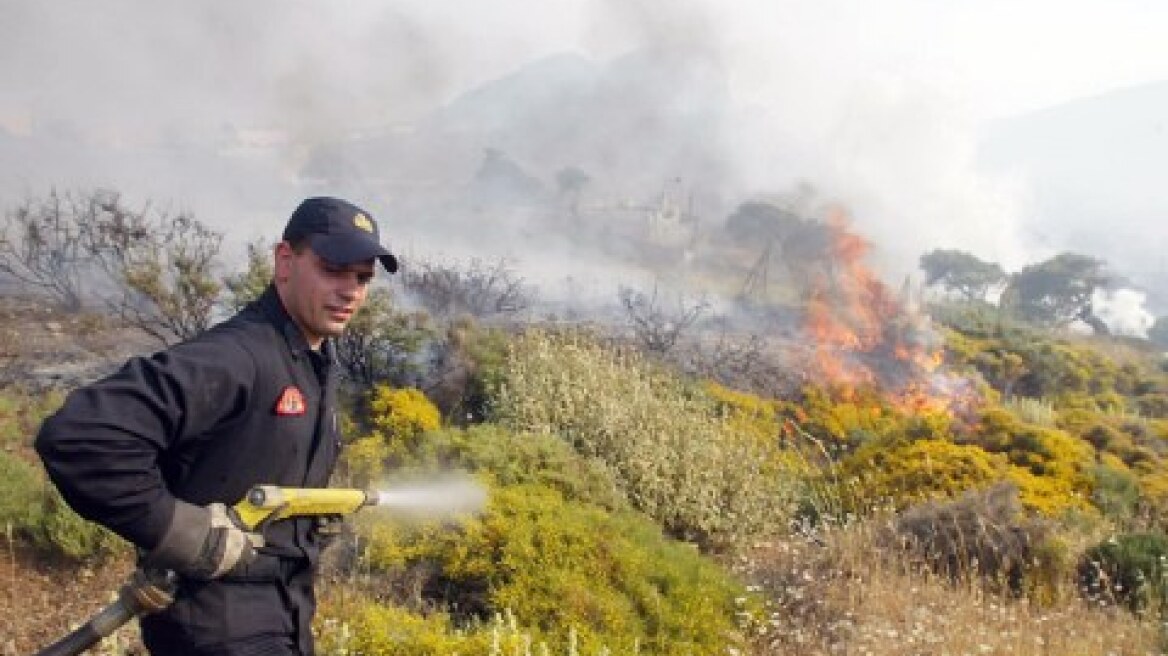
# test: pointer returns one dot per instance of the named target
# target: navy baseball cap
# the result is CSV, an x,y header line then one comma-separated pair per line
x,y
339,232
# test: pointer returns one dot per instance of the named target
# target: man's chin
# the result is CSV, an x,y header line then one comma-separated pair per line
x,y
331,328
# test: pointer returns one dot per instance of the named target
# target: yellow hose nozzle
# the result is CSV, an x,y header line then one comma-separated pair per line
x,y
268,503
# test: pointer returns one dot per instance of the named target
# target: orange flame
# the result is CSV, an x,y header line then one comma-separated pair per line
x,y
863,336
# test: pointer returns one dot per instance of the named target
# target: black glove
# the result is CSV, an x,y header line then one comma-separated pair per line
x,y
204,542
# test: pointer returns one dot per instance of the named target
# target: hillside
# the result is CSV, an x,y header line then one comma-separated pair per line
x,y
931,456
674,477
1091,161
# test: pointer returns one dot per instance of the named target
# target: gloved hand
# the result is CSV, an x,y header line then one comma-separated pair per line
x,y
203,542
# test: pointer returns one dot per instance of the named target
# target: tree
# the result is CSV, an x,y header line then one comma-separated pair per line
x,y
656,328
761,223
1057,291
163,266
245,287
480,289
500,179
46,243
380,344
802,246
958,271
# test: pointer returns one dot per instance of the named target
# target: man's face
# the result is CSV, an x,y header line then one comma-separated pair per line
x,y
320,297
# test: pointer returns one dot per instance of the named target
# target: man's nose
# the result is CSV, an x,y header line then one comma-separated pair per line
x,y
350,288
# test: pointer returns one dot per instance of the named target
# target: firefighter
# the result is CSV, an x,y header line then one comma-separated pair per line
x,y
158,451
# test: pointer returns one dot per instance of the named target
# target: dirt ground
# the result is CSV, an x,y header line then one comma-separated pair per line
x,y
40,601
41,347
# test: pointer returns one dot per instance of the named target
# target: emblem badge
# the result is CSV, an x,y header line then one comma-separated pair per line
x,y
291,402
363,222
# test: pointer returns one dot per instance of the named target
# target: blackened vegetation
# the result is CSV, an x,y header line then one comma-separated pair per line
x,y
657,326
983,533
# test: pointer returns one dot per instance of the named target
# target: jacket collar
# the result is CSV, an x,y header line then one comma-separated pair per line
x,y
269,303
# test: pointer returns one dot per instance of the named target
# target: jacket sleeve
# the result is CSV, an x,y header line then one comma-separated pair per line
x,y
103,448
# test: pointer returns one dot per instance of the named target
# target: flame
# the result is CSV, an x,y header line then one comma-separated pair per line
x,y
864,336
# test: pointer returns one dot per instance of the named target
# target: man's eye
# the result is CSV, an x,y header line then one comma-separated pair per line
x,y
364,278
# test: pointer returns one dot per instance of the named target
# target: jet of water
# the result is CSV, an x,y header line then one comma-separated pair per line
x,y
434,498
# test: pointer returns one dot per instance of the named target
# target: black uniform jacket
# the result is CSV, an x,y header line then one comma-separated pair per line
x,y
246,403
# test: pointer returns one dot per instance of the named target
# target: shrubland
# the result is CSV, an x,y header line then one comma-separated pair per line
x,y
31,509
633,508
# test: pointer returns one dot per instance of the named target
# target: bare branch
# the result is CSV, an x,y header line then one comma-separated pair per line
x,y
45,244
658,329
480,290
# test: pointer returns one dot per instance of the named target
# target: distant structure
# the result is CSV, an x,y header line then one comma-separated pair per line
x,y
671,223
668,224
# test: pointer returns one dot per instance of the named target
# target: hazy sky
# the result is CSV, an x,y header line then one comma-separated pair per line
x,y
877,103
989,58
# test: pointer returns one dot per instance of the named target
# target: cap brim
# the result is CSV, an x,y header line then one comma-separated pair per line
x,y
344,250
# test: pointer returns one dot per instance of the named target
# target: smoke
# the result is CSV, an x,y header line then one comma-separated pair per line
x,y
1123,311
236,111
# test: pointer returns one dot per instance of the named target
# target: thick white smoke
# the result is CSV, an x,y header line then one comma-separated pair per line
x,y
1123,311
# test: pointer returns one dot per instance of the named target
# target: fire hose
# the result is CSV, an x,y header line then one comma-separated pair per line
x,y
149,591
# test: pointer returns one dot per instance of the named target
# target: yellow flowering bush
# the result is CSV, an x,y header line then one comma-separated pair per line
x,y
364,459
901,472
569,571
402,413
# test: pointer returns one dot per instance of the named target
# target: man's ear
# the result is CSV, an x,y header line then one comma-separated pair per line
x,y
283,254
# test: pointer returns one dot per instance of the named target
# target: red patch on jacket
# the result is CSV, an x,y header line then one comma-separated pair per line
x,y
291,402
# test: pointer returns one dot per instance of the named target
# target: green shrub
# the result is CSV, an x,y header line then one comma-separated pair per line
x,y
1115,491
373,629
35,511
845,423
611,578
1130,569
510,458
63,532
397,418
468,371
1039,412
20,494
676,456
363,460
21,412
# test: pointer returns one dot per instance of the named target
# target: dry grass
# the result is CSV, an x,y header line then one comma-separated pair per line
x,y
839,595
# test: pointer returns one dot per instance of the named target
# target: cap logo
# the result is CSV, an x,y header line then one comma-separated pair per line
x,y
363,222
